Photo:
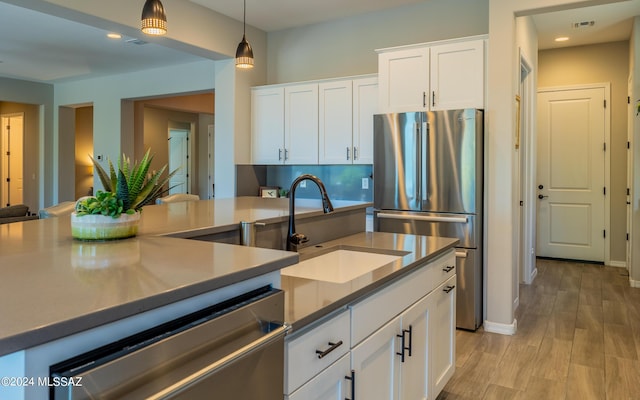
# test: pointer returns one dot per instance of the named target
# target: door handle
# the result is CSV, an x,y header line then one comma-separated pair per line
x,y
542,196
540,187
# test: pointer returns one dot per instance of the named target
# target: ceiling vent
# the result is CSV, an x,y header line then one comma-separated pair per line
x,y
136,41
583,24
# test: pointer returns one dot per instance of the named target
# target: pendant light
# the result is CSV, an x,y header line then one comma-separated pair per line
x,y
154,20
244,54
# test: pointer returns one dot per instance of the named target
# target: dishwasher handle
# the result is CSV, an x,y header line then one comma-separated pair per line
x,y
427,218
198,376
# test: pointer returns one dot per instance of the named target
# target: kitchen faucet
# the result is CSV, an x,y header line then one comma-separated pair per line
x,y
295,239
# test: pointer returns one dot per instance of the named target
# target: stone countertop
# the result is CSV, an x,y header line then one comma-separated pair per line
x,y
307,300
53,285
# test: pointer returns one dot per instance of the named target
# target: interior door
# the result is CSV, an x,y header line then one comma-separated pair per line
x,y
179,158
571,174
11,149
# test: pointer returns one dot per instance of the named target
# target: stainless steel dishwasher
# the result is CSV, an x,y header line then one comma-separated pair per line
x,y
232,350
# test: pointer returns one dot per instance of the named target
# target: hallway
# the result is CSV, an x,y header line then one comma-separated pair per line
x,y
578,338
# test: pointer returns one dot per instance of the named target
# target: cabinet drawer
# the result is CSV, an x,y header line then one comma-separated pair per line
x,y
329,384
374,311
442,269
302,354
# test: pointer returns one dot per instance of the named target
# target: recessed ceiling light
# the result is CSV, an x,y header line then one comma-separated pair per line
x,y
561,39
114,36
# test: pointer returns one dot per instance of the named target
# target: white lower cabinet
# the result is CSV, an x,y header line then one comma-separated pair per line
x,y
402,343
376,365
442,340
330,384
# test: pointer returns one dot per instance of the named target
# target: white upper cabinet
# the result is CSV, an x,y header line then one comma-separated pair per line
x,y
365,105
336,122
321,122
284,124
267,125
346,120
432,76
301,124
457,75
403,80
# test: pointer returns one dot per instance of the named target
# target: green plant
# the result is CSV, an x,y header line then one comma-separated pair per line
x,y
129,188
104,203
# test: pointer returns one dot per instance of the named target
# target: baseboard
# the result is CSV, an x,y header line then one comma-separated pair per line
x,y
619,264
634,283
503,329
516,303
534,273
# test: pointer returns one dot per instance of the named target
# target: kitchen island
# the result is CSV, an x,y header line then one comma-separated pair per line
x,y
62,296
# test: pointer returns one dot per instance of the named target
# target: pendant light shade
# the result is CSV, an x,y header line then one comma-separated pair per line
x,y
154,20
244,54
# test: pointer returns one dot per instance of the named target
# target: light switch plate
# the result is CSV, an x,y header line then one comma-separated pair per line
x,y
365,183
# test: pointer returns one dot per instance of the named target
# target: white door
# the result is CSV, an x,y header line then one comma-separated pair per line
x,y
457,76
329,384
571,174
365,105
376,364
11,149
335,122
179,158
415,369
301,124
404,80
267,125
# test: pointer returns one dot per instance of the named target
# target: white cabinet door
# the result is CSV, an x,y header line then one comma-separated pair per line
x,y
330,384
404,80
376,364
335,122
415,369
301,124
457,75
267,125
365,105
442,340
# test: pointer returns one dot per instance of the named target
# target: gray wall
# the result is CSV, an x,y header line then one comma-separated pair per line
x,y
347,46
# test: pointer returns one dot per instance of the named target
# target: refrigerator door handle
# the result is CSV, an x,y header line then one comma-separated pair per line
x,y
461,254
426,218
420,160
424,140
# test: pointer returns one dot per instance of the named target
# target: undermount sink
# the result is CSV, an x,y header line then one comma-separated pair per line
x,y
339,266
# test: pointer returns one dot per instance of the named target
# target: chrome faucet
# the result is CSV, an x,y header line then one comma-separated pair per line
x,y
295,239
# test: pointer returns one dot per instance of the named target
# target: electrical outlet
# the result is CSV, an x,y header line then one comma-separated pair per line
x,y
365,183
303,184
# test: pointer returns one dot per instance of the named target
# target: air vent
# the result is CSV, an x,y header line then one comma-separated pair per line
x,y
136,41
583,24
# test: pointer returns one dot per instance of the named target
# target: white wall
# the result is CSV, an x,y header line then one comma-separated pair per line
x,y
503,85
106,95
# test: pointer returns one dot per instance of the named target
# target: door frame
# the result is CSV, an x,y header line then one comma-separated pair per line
x,y
528,154
607,162
3,173
188,166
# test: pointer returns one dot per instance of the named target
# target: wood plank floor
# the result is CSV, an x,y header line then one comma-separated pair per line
x,y
578,337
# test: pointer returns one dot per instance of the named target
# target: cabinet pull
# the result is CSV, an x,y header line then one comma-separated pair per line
x,y
433,98
403,345
348,153
410,331
448,288
279,154
424,99
448,268
352,378
286,154
333,346
355,153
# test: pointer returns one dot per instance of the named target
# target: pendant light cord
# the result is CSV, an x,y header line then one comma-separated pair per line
x,y
244,19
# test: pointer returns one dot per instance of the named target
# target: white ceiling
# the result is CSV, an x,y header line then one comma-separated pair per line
x,y
62,50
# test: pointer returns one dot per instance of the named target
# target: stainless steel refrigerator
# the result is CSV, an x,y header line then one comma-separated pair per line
x,y
428,179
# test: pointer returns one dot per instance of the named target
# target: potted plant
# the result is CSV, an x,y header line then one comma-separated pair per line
x,y
114,213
